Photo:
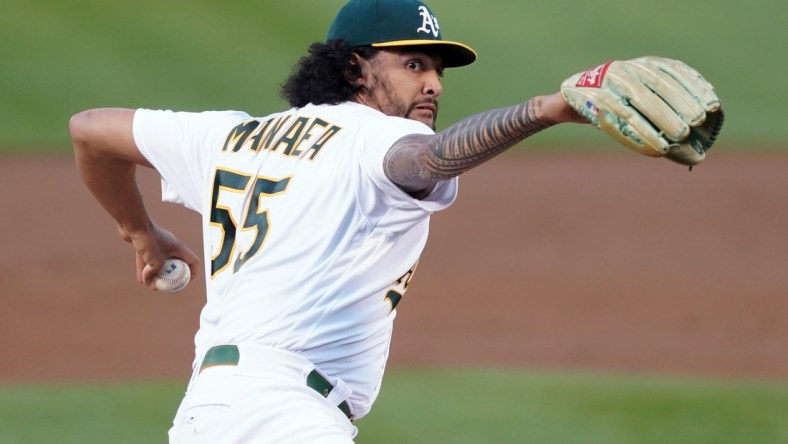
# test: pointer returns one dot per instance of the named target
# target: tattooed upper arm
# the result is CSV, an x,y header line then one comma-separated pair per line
x,y
405,164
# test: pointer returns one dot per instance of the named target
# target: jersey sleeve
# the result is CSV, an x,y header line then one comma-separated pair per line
x,y
181,147
399,204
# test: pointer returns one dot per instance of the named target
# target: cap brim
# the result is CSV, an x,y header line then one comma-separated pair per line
x,y
454,54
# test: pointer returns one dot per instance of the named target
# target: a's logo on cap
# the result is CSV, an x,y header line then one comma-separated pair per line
x,y
430,22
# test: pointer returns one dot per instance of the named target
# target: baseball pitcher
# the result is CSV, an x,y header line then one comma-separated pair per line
x,y
314,217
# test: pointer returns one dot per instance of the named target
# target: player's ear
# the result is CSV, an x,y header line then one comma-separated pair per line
x,y
359,69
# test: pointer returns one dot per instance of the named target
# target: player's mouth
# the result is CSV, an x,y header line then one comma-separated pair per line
x,y
430,108
425,110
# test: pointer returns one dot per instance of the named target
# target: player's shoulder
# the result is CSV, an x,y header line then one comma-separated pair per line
x,y
353,115
189,118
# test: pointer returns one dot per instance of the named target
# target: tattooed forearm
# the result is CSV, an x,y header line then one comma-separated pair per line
x,y
478,138
418,162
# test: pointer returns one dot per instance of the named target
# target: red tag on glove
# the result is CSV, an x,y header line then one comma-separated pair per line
x,y
593,77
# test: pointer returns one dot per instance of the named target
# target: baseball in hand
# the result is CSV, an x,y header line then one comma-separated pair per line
x,y
173,276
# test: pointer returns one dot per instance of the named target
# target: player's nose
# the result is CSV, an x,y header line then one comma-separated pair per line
x,y
432,84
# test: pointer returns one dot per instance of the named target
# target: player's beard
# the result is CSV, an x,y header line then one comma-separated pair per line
x,y
391,105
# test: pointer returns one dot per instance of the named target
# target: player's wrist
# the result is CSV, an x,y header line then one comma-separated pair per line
x,y
128,230
553,109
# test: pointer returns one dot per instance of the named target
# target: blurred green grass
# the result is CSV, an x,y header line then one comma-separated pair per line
x,y
62,57
444,406
88,413
509,406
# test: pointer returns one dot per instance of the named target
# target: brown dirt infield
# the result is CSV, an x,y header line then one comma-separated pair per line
x,y
602,261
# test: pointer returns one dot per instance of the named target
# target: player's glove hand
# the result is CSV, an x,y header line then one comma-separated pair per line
x,y
656,106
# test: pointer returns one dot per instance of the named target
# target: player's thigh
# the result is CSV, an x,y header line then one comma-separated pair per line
x,y
296,414
223,407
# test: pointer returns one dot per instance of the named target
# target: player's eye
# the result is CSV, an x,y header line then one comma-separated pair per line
x,y
415,65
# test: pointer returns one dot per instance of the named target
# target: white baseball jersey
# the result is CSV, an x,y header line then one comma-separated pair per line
x,y
308,246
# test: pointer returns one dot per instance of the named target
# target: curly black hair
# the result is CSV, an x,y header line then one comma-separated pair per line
x,y
326,75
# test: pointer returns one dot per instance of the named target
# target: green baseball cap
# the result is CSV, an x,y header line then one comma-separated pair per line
x,y
386,23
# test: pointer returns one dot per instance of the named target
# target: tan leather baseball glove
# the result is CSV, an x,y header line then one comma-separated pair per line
x,y
656,106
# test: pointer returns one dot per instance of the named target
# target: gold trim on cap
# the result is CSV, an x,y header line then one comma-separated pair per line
x,y
425,42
